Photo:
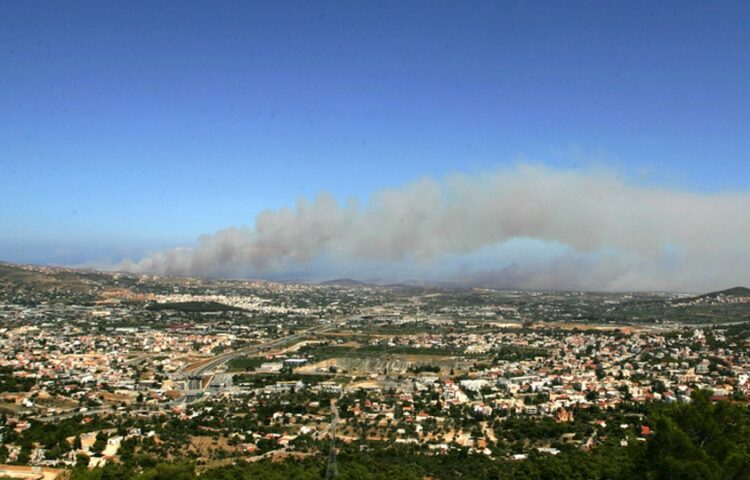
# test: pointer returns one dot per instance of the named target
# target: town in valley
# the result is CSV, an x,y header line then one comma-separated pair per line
x,y
101,371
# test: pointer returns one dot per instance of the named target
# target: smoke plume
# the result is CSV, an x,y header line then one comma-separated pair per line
x,y
608,234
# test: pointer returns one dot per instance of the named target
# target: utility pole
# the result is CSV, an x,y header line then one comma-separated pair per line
x,y
332,469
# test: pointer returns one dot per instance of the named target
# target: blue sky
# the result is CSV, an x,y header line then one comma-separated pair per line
x,y
132,126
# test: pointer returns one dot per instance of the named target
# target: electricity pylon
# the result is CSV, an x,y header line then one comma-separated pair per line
x,y
332,469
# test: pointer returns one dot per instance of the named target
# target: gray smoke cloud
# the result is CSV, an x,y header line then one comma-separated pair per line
x,y
610,234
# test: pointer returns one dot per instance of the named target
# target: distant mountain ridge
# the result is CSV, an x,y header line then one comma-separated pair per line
x,y
344,282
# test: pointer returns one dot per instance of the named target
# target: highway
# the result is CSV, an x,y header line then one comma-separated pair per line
x,y
196,384
226,357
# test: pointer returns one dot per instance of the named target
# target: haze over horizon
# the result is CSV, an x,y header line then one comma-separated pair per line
x,y
574,147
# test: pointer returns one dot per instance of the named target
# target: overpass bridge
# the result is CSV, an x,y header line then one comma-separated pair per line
x,y
198,376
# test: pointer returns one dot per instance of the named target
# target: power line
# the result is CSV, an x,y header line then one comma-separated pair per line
x,y
332,469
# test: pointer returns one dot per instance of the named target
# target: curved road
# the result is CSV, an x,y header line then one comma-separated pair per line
x,y
225,357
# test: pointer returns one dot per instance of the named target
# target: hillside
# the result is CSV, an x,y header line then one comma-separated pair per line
x,y
42,279
343,282
731,292
736,295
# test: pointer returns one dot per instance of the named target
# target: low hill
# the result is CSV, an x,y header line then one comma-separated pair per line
x,y
729,295
42,279
731,292
343,282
